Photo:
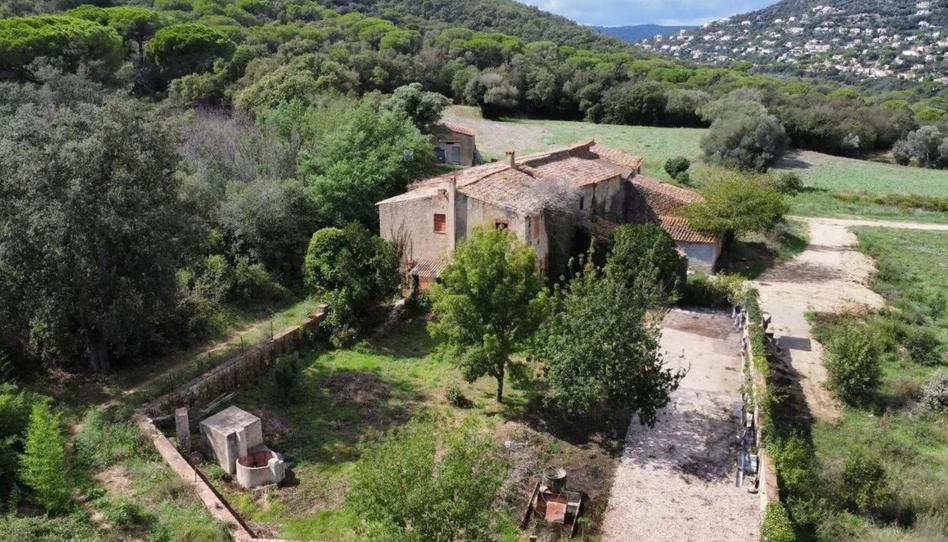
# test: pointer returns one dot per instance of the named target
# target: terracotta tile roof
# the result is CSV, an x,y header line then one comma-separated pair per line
x,y
618,157
459,128
680,230
664,198
578,164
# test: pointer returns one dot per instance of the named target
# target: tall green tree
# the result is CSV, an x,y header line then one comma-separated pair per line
x,y
24,39
602,350
645,256
374,156
186,48
491,299
91,227
352,270
43,466
422,107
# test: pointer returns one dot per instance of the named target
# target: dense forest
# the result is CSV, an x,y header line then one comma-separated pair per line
x,y
179,153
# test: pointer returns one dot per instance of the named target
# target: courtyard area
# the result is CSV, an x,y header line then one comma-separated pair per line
x,y
676,481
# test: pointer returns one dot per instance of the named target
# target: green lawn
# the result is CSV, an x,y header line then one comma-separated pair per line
x,y
822,174
344,402
912,444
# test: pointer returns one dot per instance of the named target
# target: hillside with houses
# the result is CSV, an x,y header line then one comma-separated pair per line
x,y
845,39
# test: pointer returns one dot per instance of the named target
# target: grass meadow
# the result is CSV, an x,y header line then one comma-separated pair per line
x,y
345,401
912,443
823,175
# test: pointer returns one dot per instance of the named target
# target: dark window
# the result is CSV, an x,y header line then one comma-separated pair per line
x,y
582,202
500,224
440,223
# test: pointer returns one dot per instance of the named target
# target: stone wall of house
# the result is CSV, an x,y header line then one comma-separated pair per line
x,y
413,221
701,256
605,199
466,142
241,369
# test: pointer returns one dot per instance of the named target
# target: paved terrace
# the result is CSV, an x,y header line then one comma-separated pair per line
x,y
675,482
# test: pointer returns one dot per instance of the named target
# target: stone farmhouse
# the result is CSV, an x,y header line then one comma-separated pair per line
x,y
588,186
454,144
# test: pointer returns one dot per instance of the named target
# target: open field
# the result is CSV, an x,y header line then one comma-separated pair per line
x,y
822,174
911,443
346,400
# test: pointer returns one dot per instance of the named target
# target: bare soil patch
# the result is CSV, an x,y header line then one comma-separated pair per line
x,y
358,387
115,480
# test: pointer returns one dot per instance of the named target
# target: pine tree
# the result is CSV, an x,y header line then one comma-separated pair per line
x,y
43,464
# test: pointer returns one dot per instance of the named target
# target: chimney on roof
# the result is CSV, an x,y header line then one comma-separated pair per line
x,y
511,158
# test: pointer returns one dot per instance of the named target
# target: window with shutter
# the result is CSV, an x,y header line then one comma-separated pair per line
x,y
440,223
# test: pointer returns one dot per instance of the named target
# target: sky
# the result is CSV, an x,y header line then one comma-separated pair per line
x,y
630,12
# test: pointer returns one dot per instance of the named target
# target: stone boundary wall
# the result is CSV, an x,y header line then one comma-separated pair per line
x,y
238,370
768,488
229,375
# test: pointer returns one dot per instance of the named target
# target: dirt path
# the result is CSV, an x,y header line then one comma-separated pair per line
x,y
495,138
675,482
831,275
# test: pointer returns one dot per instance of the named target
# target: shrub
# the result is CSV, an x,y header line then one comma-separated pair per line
x,y
457,398
777,526
788,182
923,345
753,141
684,178
43,464
935,393
737,203
127,514
286,377
425,483
853,362
676,166
353,270
865,484
720,290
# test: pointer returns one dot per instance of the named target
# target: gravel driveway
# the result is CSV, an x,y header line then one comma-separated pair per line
x,y
676,481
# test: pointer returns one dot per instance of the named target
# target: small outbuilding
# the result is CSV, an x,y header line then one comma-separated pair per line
x,y
455,144
234,437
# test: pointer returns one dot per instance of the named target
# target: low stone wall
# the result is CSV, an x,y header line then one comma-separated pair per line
x,y
240,369
768,488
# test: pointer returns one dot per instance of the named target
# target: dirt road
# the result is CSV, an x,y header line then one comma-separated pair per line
x,y
831,275
675,482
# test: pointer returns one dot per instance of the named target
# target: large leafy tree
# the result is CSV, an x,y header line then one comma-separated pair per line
x,y
24,39
351,269
186,48
374,156
602,349
43,463
425,484
491,299
91,229
736,203
423,108
645,256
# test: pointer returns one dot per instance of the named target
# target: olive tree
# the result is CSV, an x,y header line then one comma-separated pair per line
x,y
422,107
490,300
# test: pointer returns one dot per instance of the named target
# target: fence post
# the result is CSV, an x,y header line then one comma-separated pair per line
x,y
241,344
